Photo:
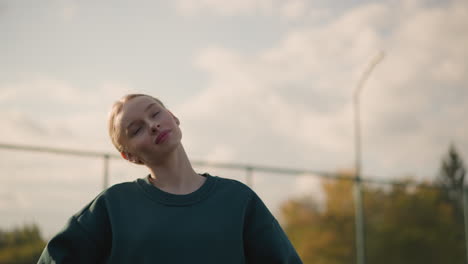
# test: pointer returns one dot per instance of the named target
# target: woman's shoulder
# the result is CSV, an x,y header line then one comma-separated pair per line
x,y
121,187
232,185
113,192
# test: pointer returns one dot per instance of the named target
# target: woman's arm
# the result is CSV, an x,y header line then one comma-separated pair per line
x,y
85,239
264,239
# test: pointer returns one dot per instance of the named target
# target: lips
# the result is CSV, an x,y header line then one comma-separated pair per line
x,y
162,136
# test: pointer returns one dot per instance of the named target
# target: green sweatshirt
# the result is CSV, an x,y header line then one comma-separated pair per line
x,y
222,222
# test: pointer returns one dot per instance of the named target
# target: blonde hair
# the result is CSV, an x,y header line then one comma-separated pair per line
x,y
114,132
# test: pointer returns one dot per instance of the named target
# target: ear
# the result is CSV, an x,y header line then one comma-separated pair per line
x,y
124,155
130,157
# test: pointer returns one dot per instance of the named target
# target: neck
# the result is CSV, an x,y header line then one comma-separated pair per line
x,y
175,174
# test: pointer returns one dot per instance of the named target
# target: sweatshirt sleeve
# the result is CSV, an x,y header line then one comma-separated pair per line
x,y
85,238
264,239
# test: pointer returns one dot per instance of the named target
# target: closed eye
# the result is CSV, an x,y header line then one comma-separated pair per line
x,y
155,114
136,131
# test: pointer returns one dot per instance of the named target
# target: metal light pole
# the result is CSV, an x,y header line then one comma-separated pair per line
x,y
359,212
465,217
105,183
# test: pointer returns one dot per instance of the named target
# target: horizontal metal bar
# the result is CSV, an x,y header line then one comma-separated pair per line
x,y
64,151
235,166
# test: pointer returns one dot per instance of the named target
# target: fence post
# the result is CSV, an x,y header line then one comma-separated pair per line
x,y
359,221
465,218
106,172
249,177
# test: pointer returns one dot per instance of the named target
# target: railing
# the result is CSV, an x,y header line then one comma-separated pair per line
x,y
249,170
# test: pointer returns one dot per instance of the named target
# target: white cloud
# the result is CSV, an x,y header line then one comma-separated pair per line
x,y
56,113
297,96
16,200
294,9
221,153
223,7
287,10
69,12
68,9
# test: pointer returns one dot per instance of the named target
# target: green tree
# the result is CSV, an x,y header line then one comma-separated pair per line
x,y
323,234
405,223
409,223
451,177
21,246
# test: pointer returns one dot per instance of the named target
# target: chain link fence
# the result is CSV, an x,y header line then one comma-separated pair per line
x,y
317,209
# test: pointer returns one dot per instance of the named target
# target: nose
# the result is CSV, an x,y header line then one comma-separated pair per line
x,y
154,127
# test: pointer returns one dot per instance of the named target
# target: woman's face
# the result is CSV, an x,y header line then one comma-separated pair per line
x,y
148,131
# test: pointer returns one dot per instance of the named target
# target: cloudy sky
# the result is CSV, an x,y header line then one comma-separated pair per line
x,y
266,82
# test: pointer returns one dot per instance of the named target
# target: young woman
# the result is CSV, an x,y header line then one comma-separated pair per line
x,y
174,215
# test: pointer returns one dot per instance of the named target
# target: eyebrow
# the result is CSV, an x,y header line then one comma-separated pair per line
x,y
146,109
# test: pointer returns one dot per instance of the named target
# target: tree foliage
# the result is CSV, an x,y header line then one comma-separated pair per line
x,y
452,171
404,223
21,246
323,234
411,224
450,178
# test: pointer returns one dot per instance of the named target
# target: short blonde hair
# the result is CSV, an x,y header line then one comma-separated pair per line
x,y
115,132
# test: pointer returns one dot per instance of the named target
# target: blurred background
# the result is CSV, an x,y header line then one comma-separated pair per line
x,y
348,118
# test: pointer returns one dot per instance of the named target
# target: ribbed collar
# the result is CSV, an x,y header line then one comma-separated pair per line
x,y
166,198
